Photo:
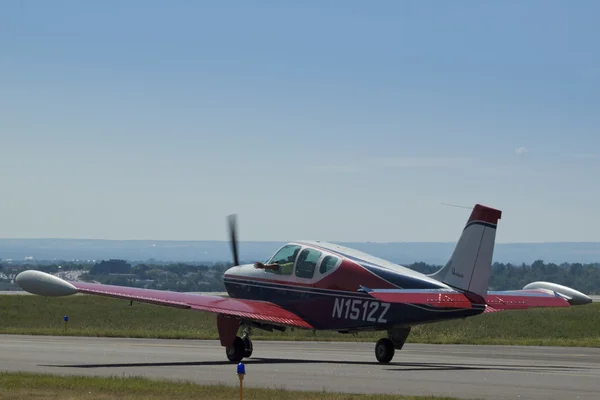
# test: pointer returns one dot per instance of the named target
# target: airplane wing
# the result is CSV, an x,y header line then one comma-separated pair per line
x,y
44,284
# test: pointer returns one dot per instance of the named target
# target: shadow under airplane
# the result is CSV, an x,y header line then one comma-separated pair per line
x,y
420,366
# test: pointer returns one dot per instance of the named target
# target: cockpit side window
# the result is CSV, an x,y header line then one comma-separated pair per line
x,y
285,258
307,263
328,263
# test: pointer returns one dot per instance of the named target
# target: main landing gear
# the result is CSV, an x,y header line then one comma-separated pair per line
x,y
385,348
241,346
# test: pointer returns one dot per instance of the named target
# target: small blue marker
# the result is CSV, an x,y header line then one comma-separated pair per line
x,y
66,318
241,371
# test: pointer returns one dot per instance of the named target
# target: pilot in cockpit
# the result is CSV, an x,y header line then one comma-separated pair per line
x,y
283,267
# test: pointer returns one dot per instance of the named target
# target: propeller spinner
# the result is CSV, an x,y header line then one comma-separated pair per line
x,y
232,219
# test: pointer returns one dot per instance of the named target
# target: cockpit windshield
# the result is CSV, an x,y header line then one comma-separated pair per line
x,y
285,258
302,262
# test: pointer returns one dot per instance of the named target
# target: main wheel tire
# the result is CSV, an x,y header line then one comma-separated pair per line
x,y
236,351
247,347
384,350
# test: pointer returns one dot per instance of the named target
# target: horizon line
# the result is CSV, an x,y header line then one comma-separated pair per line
x,y
285,241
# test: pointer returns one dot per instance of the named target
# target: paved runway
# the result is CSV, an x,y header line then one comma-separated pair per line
x,y
489,372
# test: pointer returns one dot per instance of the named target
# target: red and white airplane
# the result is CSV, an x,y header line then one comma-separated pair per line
x,y
322,286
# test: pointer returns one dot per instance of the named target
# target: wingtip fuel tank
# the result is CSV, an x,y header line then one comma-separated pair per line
x,y
575,297
44,284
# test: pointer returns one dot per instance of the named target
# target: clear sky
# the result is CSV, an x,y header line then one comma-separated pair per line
x,y
333,120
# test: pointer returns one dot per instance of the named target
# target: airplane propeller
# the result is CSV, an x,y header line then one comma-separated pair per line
x,y
232,219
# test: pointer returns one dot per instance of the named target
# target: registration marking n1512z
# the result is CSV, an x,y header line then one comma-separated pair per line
x,y
358,309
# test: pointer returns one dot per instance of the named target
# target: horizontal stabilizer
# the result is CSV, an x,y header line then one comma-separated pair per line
x,y
443,298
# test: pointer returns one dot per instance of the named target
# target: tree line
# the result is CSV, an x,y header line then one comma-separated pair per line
x,y
190,277
506,276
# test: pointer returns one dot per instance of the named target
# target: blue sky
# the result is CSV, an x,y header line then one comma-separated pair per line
x,y
340,120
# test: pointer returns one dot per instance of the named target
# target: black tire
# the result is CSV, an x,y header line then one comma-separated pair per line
x,y
384,350
236,351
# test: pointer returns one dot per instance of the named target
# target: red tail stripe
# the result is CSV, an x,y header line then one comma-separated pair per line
x,y
485,214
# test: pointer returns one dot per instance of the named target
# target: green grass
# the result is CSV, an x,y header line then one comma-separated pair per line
x,y
100,316
19,386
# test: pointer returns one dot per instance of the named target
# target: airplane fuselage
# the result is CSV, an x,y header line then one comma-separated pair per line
x,y
328,297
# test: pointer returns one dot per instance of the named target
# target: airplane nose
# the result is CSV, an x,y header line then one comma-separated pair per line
x,y
233,270
239,269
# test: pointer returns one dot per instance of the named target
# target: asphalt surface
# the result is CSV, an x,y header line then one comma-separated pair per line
x,y
488,372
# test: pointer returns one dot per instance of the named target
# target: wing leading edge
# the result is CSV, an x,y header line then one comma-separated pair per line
x,y
44,284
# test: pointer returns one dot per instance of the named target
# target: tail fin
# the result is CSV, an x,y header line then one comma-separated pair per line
x,y
470,265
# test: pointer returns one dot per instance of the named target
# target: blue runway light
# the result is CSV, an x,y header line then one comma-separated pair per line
x,y
241,372
66,318
241,369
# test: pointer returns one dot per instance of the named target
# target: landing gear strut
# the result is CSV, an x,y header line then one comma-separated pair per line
x,y
241,346
247,342
386,347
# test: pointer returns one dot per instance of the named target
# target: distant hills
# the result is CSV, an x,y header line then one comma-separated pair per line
x,y
219,251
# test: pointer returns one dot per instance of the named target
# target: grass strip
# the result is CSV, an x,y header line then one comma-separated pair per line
x,y
100,316
18,386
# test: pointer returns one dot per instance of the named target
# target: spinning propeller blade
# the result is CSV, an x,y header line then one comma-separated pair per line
x,y
232,219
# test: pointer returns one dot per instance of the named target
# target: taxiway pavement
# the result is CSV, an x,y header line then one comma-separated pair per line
x,y
487,372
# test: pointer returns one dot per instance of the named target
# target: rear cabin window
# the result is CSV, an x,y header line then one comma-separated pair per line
x,y
328,264
307,263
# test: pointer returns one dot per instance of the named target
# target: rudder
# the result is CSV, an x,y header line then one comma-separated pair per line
x,y
470,265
